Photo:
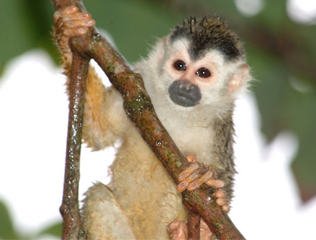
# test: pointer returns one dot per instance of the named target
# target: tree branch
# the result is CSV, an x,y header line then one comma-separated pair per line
x,y
70,208
72,226
193,226
139,109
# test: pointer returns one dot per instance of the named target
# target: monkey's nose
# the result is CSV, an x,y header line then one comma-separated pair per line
x,y
184,93
186,85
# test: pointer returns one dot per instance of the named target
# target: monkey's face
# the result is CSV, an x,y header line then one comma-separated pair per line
x,y
192,81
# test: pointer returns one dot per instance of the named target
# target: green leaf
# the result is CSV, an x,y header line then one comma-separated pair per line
x,y
7,230
55,230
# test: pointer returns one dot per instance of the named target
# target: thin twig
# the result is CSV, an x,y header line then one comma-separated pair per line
x,y
72,227
69,208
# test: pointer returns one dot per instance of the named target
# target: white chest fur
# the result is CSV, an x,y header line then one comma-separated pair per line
x,y
191,139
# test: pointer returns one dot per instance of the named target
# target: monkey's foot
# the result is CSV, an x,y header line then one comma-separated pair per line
x,y
196,174
178,230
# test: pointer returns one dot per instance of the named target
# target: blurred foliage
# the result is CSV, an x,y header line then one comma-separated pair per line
x,y
281,53
54,230
7,230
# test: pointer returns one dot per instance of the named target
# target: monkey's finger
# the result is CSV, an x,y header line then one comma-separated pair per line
x,y
199,181
191,158
173,226
177,230
79,23
222,202
215,183
71,18
76,16
220,194
182,186
191,178
83,20
205,232
187,172
65,11
226,208
75,32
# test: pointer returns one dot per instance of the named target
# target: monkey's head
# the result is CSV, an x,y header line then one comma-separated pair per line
x,y
202,62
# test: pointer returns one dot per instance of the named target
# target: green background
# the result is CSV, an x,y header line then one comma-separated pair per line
x,y
280,52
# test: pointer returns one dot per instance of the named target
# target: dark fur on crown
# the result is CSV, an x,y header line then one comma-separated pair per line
x,y
209,33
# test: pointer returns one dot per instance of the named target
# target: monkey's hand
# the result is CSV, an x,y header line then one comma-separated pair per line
x,y
69,23
196,174
191,178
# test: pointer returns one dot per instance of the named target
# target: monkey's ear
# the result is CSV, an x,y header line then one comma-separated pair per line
x,y
239,79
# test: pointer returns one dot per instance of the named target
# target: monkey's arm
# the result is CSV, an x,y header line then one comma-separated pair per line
x,y
219,170
99,130
224,133
104,118
219,176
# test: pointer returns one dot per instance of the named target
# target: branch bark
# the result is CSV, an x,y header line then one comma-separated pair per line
x,y
193,225
72,226
139,109
70,208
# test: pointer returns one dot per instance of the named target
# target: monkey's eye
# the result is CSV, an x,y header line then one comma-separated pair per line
x,y
203,72
180,65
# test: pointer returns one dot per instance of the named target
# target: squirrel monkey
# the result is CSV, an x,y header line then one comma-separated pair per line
x,y
193,77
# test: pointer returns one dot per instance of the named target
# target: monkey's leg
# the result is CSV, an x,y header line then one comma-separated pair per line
x,y
102,216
